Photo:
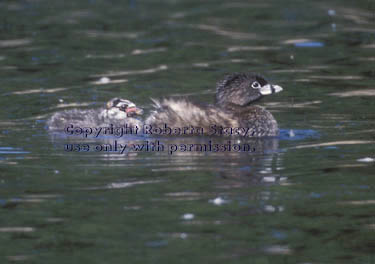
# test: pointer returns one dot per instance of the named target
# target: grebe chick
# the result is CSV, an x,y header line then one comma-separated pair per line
x,y
117,112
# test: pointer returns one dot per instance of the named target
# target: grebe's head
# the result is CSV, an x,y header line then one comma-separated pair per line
x,y
241,89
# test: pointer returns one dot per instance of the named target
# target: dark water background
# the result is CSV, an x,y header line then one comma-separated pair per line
x,y
306,197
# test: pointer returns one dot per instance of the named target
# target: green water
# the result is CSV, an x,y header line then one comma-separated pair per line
x,y
306,197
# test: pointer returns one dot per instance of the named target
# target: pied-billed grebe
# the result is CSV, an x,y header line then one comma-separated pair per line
x,y
233,111
117,112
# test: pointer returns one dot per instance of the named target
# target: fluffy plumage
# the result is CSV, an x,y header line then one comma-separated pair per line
x,y
117,112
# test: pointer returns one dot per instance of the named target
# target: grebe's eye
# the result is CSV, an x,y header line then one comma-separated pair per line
x,y
256,85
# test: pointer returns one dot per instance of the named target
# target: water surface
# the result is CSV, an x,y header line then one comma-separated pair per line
x,y
305,197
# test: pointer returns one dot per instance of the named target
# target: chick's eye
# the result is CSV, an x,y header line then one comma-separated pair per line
x,y
123,107
255,85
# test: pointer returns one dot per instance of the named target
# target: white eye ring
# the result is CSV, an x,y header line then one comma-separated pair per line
x,y
256,85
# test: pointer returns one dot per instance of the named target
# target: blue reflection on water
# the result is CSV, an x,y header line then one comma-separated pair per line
x,y
312,44
278,234
10,150
298,134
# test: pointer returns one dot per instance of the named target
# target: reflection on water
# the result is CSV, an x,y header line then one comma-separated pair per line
x,y
120,73
12,43
280,203
225,33
369,92
53,90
